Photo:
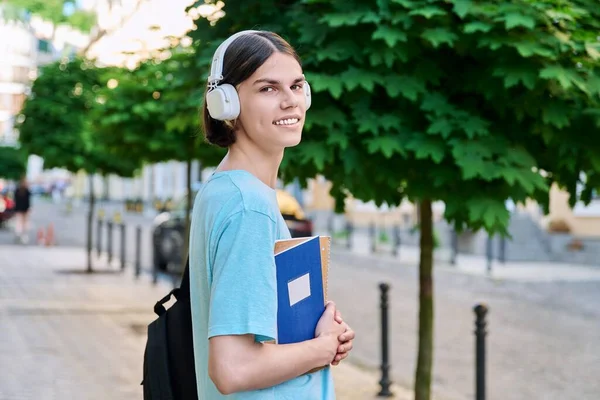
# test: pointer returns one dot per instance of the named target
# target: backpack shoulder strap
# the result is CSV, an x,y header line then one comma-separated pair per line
x,y
184,287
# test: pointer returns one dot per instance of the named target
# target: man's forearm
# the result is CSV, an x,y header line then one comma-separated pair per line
x,y
268,365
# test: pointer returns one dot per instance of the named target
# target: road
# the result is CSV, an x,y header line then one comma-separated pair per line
x,y
543,337
544,332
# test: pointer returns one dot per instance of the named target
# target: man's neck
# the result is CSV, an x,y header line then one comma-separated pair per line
x,y
264,166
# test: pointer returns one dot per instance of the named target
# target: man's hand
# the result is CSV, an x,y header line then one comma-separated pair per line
x,y
345,339
330,331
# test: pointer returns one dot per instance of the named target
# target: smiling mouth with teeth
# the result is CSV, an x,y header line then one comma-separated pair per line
x,y
289,121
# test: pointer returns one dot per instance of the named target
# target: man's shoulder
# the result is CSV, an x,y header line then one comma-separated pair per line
x,y
242,192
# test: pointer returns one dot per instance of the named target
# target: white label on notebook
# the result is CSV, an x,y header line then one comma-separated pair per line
x,y
299,289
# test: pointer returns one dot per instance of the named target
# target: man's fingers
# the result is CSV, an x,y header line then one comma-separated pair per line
x,y
338,317
330,307
347,336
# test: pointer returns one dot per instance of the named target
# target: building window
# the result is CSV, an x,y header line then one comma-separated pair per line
x,y
44,46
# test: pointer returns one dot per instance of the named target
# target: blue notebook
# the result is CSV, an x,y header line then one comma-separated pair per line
x,y
302,270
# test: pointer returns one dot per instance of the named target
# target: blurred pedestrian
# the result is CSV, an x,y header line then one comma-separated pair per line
x,y
22,198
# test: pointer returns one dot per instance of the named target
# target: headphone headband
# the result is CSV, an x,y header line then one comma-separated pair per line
x,y
216,69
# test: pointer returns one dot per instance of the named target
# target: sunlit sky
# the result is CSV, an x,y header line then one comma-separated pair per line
x,y
135,35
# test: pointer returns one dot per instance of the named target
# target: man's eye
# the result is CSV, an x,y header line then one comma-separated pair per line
x,y
267,89
296,87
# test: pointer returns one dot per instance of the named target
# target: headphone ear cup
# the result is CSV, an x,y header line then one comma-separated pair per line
x,y
307,94
223,103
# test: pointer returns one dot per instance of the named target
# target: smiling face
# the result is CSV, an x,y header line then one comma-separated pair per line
x,y
272,104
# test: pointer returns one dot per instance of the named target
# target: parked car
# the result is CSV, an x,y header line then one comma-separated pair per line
x,y
7,206
168,229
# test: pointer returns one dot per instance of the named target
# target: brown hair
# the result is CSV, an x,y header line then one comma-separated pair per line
x,y
243,57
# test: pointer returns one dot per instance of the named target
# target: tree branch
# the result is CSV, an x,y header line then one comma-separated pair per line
x,y
103,32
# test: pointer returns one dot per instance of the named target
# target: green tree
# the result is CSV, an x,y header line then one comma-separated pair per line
x,y
151,114
69,13
13,163
58,12
57,127
467,102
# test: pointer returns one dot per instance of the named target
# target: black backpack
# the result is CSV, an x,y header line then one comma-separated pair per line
x,y
169,369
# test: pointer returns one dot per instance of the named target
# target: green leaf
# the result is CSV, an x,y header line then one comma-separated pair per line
x,y
390,35
408,86
492,212
343,19
477,26
441,126
314,152
438,36
462,7
351,160
472,157
517,156
564,76
556,114
475,126
386,145
529,49
371,17
321,83
428,12
514,19
425,146
513,74
593,50
437,104
405,3
355,77
337,137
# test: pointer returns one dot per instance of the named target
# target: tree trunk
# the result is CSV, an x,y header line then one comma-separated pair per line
x,y
90,223
199,170
425,355
188,208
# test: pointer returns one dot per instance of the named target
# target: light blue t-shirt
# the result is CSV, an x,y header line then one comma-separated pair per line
x,y
235,223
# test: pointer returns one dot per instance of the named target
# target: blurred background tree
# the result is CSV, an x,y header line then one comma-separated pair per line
x,y
13,163
152,114
57,126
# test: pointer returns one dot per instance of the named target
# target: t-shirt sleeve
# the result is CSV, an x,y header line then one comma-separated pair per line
x,y
243,291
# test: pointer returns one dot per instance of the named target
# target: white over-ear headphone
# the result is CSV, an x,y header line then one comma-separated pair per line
x,y
222,101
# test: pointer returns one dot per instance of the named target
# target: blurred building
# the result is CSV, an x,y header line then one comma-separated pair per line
x,y
25,44
18,50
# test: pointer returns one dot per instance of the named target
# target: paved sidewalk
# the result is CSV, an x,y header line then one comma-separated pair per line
x,y
475,265
69,335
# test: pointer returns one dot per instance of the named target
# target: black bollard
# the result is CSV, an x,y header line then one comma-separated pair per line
x,y
138,251
385,366
330,228
481,311
454,244
123,241
372,234
349,234
396,246
488,253
99,238
155,271
109,240
502,250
